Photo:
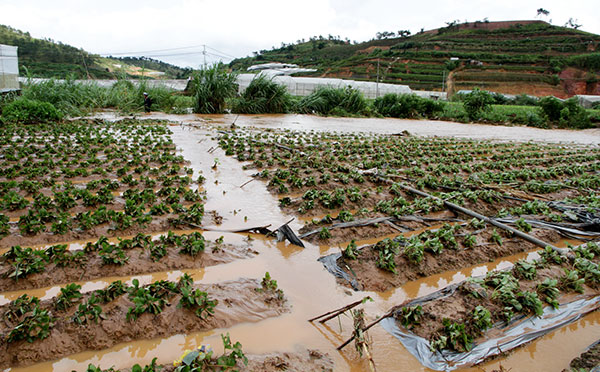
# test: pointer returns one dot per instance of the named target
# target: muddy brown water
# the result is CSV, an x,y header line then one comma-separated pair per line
x,y
382,126
308,287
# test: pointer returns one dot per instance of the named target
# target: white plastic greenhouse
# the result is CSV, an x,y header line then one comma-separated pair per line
x,y
9,68
303,86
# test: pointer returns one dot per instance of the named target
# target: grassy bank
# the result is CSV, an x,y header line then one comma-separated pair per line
x,y
70,99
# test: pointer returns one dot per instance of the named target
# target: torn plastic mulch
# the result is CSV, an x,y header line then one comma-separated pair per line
x,y
513,334
330,263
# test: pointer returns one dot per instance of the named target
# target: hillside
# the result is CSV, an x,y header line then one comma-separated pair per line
x,y
514,57
48,58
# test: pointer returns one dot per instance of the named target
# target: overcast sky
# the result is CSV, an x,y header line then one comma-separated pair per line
x,y
236,28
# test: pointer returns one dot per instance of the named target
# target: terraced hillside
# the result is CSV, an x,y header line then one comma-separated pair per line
x,y
515,57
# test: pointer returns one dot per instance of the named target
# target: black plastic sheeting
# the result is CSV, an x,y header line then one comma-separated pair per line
x,y
517,332
330,263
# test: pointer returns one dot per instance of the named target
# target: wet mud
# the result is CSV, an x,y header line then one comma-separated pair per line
x,y
238,302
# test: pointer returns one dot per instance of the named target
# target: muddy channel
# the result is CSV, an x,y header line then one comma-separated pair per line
x,y
308,287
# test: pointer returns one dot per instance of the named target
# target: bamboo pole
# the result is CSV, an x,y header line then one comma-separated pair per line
x,y
339,311
387,315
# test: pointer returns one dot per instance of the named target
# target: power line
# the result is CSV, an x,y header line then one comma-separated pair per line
x,y
217,54
218,51
151,51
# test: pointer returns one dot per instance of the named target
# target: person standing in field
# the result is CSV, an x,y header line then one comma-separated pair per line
x,y
147,102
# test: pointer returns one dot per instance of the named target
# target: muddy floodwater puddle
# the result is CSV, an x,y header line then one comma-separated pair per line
x,y
309,288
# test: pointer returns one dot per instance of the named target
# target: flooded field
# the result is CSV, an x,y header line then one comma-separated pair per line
x,y
235,198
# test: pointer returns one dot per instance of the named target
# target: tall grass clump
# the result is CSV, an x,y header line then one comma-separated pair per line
x,y
68,96
407,106
263,96
334,101
211,87
129,97
76,98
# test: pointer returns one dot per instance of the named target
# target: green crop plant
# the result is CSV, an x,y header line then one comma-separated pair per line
x,y
26,262
496,238
434,245
582,252
351,252
571,281
67,296
589,270
530,300
88,311
469,240
548,289
144,302
13,201
345,216
192,244
113,255
414,250
525,270
523,225
114,290
157,251
21,306
550,256
453,337
203,359
4,226
480,319
270,285
410,316
196,300
35,326
324,233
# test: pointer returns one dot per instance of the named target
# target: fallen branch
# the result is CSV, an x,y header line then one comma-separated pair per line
x,y
245,183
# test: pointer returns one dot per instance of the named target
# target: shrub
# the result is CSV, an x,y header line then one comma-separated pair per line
x,y
407,106
551,108
568,114
263,95
28,111
477,102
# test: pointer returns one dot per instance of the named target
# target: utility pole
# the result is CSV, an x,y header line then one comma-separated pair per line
x,y
204,54
377,82
444,81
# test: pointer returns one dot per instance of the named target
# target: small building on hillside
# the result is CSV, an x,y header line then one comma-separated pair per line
x,y
9,69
